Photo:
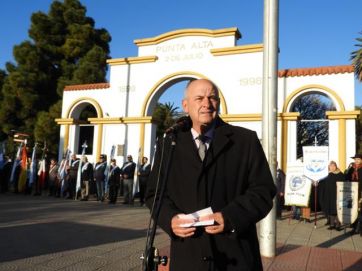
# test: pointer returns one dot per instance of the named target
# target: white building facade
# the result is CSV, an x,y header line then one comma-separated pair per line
x,y
123,107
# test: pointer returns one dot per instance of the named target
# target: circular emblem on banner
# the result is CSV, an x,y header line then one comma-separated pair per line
x,y
296,182
316,166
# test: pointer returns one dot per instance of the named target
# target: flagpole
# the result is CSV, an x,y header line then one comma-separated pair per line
x,y
269,122
315,192
79,173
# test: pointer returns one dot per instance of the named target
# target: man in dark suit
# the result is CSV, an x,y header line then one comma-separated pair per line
x,y
127,173
225,168
143,173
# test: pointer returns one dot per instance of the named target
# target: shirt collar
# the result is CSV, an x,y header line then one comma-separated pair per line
x,y
209,134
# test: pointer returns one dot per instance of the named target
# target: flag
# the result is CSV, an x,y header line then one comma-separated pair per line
x,y
79,173
108,168
2,152
24,170
42,173
32,177
17,161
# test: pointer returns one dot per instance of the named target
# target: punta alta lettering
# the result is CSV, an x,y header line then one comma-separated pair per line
x,y
179,47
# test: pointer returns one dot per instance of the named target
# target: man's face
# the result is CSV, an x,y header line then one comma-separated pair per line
x,y
129,158
201,103
358,161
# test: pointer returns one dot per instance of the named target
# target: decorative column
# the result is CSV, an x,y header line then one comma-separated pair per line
x,y
342,116
285,117
66,123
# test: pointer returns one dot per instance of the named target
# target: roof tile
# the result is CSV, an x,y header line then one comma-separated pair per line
x,y
87,86
316,71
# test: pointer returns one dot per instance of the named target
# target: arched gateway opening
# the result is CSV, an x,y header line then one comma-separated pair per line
x,y
173,83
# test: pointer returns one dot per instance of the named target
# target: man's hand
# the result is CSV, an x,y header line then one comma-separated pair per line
x,y
181,231
219,224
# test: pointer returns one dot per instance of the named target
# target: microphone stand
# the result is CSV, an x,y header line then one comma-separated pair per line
x,y
151,258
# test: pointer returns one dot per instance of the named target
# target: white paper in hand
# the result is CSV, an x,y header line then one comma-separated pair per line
x,y
197,217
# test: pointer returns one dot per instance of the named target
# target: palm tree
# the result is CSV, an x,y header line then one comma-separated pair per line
x,y
356,57
164,116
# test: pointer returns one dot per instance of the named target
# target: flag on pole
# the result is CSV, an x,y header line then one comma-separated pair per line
x,y
33,173
135,183
42,173
79,173
2,152
108,169
17,161
24,170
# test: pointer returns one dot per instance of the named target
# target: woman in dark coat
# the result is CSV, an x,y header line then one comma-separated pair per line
x,y
328,195
354,174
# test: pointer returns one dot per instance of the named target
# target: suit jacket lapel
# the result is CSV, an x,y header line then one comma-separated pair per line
x,y
219,142
186,142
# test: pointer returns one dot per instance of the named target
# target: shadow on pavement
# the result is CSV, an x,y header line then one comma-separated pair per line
x,y
24,241
334,240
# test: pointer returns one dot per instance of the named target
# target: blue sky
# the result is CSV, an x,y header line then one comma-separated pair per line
x,y
311,33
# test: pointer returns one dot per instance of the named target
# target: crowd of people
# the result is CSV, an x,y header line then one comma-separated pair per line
x,y
77,178
326,194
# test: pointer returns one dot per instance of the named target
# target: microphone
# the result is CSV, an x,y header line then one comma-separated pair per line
x,y
182,124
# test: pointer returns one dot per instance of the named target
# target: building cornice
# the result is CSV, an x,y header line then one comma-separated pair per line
x,y
131,60
233,31
121,120
251,48
333,115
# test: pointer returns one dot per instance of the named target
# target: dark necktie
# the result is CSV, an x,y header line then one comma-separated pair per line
x,y
202,147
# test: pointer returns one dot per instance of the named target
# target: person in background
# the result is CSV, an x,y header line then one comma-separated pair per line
x,y
54,188
114,181
86,177
354,174
100,176
72,175
216,165
127,172
143,173
327,189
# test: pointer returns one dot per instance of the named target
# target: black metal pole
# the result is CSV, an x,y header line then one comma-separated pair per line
x,y
151,258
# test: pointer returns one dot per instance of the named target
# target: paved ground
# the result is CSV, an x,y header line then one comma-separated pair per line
x,y
42,233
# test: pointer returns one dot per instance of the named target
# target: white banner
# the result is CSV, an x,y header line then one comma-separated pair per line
x,y
347,202
297,186
315,160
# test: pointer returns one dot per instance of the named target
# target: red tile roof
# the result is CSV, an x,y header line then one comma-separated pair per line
x,y
86,86
316,71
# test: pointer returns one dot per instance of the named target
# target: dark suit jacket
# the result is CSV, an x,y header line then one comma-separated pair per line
x,y
233,179
144,172
129,170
